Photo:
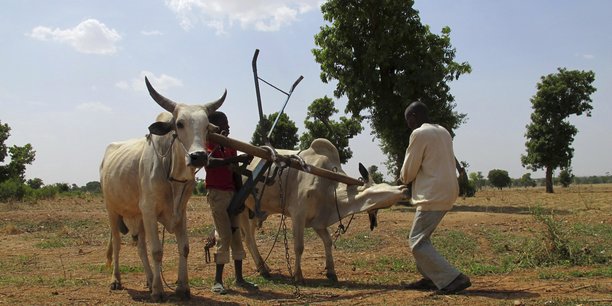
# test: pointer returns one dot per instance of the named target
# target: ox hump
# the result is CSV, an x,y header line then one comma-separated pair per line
x,y
322,146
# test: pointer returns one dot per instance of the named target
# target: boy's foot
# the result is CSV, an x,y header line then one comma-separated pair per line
x,y
218,289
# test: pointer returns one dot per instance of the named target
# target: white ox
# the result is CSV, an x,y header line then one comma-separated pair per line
x,y
310,201
149,180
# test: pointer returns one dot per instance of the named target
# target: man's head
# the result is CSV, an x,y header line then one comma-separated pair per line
x,y
416,114
219,119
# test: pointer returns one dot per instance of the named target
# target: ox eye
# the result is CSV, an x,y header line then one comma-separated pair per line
x,y
180,125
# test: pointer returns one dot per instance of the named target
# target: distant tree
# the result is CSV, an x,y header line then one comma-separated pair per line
x,y
377,177
499,178
93,187
20,157
284,135
319,124
565,177
527,181
35,183
200,188
550,135
62,187
478,180
383,58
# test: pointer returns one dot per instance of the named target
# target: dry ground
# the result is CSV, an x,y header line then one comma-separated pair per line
x,y
53,252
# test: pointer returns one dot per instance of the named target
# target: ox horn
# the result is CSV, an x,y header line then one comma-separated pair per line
x,y
213,106
164,102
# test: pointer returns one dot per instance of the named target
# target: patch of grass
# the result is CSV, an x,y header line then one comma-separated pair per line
x,y
580,245
568,275
394,264
19,263
361,241
52,243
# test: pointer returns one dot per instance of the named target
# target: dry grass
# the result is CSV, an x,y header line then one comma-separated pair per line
x,y
53,253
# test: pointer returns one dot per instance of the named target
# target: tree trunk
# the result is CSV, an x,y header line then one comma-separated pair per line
x,y
549,180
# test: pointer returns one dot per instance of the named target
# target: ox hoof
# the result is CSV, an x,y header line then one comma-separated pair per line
x,y
157,297
116,286
332,277
184,294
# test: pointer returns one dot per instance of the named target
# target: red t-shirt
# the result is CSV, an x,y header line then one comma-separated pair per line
x,y
221,178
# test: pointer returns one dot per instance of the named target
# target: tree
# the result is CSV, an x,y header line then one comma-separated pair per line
x,y
565,177
478,180
319,124
376,176
384,58
550,135
499,178
19,156
284,135
35,183
93,187
527,181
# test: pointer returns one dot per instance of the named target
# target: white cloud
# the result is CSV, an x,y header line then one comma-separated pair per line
x,y
260,15
94,107
588,56
161,82
90,36
151,33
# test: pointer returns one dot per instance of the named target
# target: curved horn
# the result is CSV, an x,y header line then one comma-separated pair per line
x,y
164,102
213,106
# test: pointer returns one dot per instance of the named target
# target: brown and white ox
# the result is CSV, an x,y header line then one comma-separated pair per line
x,y
310,201
149,180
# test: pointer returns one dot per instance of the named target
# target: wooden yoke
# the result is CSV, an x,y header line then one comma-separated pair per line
x,y
293,163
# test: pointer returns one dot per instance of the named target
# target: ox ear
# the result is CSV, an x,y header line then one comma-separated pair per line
x,y
213,106
160,128
364,173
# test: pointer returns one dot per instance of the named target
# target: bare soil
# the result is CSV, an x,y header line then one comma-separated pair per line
x,y
53,252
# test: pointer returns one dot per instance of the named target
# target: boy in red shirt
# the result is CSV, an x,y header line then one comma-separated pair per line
x,y
221,184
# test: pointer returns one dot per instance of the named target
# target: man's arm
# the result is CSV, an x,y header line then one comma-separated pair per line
x,y
214,162
412,160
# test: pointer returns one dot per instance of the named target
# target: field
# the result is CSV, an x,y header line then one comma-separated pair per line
x,y
519,246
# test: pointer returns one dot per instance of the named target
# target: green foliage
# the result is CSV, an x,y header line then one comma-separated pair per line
x,y
478,180
565,177
565,245
19,156
527,181
376,176
550,135
35,183
200,187
93,187
284,135
319,124
12,189
383,58
499,178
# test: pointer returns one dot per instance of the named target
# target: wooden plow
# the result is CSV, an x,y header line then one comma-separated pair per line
x,y
268,154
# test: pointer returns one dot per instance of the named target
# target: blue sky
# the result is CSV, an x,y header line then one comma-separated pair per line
x,y
72,76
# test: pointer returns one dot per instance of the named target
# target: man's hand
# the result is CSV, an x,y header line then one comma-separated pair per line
x,y
244,158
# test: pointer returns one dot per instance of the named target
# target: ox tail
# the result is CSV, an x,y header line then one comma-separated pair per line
x,y
109,251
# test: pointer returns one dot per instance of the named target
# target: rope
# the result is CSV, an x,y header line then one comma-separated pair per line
x,y
341,229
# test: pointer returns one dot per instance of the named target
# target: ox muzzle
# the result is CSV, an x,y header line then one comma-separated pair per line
x,y
198,159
